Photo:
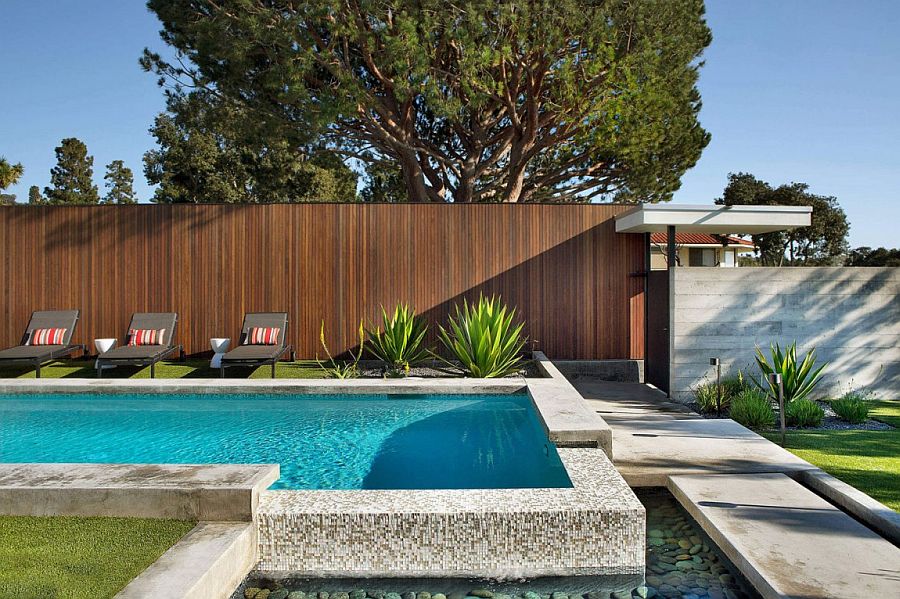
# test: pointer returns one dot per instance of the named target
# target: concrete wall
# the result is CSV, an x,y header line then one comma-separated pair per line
x,y
851,316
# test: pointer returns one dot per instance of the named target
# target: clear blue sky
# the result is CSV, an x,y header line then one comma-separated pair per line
x,y
792,91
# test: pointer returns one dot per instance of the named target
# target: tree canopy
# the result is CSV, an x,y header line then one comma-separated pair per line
x,y
34,196
470,101
213,151
824,242
119,184
9,175
72,177
866,256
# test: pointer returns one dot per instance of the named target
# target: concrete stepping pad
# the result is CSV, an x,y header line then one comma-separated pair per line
x,y
788,541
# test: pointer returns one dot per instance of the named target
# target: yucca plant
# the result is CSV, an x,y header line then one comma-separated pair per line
x,y
400,343
797,379
341,370
484,338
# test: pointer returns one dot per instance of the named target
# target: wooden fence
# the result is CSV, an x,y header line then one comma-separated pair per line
x,y
571,276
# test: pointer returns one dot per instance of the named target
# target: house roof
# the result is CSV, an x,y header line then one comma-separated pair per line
x,y
687,218
700,239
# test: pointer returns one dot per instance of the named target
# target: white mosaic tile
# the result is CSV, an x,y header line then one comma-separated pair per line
x,y
594,528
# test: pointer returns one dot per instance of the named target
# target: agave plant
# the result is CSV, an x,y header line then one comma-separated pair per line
x,y
797,379
341,370
400,343
484,338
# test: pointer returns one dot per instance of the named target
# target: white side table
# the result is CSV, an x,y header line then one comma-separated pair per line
x,y
219,346
104,345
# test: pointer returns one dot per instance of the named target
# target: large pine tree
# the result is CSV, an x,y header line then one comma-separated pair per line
x,y
71,179
119,183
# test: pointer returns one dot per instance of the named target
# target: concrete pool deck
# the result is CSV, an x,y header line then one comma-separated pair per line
x,y
741,488
179,491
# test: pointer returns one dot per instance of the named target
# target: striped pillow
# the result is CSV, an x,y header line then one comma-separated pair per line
x,y
47,336
145,336
262,336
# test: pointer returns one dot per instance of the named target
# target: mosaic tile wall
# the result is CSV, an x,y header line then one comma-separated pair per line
x,y
594,528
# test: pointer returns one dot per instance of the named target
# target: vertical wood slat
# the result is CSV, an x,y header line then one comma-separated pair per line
x,y
564,267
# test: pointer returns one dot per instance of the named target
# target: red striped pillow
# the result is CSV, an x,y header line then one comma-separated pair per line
x,y
145,336
47,336
262,336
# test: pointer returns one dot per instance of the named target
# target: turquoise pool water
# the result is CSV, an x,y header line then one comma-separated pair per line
x,y
320,441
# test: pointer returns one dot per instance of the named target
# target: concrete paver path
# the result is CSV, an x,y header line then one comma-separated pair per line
x,y
787,540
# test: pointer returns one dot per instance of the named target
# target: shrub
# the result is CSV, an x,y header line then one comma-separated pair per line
x,y
400,343
851,407
705,395
797,379
484,338
803,413
753,409
341,370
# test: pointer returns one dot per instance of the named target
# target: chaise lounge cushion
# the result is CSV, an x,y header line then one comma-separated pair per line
x,y
253,352
30,352
134,352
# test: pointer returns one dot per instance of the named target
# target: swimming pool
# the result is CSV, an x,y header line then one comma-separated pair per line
x,y
320,441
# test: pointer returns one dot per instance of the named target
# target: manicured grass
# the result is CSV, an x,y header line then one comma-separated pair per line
x,y
75,558
868,460
164,370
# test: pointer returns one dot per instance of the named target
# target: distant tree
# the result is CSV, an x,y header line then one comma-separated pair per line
x,y
473,101
9,175
34,196
824,242
72,177
866,256
210,152
119,183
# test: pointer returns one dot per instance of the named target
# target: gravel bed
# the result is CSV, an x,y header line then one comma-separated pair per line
x,y
376,370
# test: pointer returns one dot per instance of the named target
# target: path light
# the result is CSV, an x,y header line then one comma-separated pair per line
x,y
775,381
715,362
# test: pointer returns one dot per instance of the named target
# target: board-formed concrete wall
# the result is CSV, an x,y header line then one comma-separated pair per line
x,y
850,315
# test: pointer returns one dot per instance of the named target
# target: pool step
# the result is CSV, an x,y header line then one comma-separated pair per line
x,y
788,541
210,561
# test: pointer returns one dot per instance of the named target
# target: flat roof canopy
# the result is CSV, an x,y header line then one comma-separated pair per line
x,y
691,218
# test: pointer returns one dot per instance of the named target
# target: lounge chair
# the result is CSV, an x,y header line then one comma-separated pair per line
x,y
249,352
147,341
51,326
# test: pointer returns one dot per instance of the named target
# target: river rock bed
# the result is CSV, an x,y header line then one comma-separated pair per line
x,y
682,563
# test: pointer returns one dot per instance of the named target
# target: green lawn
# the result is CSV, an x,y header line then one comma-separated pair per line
x,y
868,460
79,558
164,370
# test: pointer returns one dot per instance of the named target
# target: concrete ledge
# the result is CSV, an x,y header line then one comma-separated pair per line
x,y
620,371
788,541
300,386
183,492
881,518
210,562
566,418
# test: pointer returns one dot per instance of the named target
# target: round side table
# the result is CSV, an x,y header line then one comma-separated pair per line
x,y
104,345
219,346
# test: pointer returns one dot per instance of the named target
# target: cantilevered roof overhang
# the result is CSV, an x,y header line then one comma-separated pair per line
x,y
690,218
